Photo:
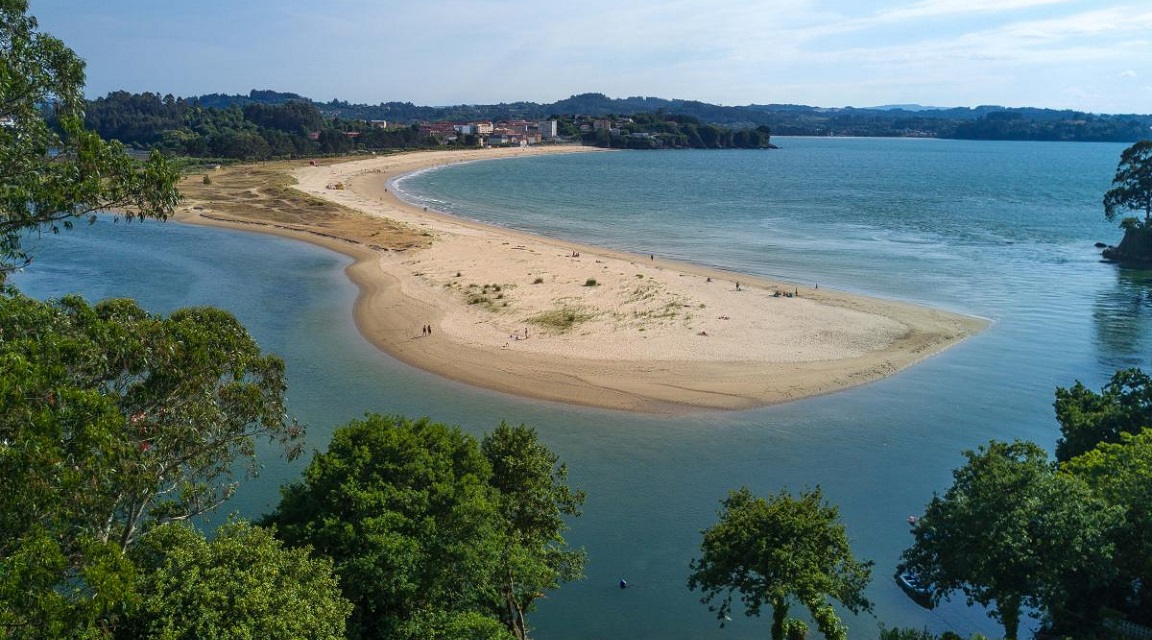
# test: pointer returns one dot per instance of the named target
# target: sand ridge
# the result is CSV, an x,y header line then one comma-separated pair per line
x,y
554,320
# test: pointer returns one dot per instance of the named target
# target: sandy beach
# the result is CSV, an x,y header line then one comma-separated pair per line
x,y
553,320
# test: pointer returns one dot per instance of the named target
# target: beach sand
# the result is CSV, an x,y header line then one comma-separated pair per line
x,y
520,314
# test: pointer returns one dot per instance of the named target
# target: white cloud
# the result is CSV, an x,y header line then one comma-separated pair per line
x,y
935,8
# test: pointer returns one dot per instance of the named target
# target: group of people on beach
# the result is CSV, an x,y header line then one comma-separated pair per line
x,y
426,330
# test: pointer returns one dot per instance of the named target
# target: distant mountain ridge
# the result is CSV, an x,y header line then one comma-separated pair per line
x,y
985,122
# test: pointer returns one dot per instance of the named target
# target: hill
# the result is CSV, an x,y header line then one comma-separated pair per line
x,y
986,122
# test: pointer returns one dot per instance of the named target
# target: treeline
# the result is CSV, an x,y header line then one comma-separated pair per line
x,y
252,131
663,131
261,128
986,122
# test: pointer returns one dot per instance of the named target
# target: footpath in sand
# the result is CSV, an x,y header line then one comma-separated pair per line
x,y
554,320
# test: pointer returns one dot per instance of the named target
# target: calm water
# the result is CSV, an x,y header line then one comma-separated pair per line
x,y
999,230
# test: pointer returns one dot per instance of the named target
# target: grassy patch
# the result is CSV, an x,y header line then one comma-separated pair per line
x,y
488,295
561,319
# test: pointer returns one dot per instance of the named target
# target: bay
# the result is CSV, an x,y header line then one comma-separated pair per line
x,y
999,230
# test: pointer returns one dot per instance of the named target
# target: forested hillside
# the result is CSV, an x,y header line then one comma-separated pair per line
x,y
988,122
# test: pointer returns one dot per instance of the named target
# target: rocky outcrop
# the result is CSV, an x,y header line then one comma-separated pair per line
x,y
1135,249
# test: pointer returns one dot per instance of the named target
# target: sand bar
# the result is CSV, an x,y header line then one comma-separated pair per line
x,y
520,314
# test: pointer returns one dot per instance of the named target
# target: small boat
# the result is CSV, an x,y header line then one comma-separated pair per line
x,y
917,589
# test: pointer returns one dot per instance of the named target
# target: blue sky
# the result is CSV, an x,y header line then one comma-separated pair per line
x,y
1078,54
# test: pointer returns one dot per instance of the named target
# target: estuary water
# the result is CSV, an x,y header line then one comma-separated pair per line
x,y
998,230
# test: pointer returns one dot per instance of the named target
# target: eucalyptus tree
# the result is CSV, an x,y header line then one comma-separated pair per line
x,y
777,551
533,500
114,421
52,170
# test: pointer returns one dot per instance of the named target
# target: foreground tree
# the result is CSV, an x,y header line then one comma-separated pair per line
x,y
113,422
1121,474
1132,185
1087,418
54,172
533,499
777,550
242,584
405,511
1011,533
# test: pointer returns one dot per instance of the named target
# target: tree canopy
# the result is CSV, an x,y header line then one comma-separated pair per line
x,y
242,584
1011,533
778,550
533,500
114,421
1132,185
1087,418
53,170
1121,474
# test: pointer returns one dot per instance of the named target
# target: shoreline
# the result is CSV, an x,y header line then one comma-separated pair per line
x,y
559,321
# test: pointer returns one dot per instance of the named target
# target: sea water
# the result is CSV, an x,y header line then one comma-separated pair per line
x,y
999,230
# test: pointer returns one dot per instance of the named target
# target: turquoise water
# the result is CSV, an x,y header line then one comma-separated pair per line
x,y
999,230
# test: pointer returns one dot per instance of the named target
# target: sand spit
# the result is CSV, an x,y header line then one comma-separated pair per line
x,y
558,321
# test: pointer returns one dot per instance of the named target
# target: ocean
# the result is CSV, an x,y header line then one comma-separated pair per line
x,y
1004,231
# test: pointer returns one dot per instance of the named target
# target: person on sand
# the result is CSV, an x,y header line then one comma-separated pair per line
x,y
525,333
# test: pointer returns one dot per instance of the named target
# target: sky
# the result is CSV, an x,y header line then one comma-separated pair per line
x,y
1086,55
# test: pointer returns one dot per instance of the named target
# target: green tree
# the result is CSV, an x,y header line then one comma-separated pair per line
x,y
1086,418
1121,474
240,585
52,170
533,499
776,550
1011,533
405,510
112,422
1132,185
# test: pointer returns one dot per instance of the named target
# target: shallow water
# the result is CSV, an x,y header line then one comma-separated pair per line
x,y
999,230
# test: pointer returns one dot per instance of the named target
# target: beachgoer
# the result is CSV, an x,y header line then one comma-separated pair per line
x,y
737,286
525,333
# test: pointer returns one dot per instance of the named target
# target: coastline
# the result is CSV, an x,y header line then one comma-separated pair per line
x,y
650,335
